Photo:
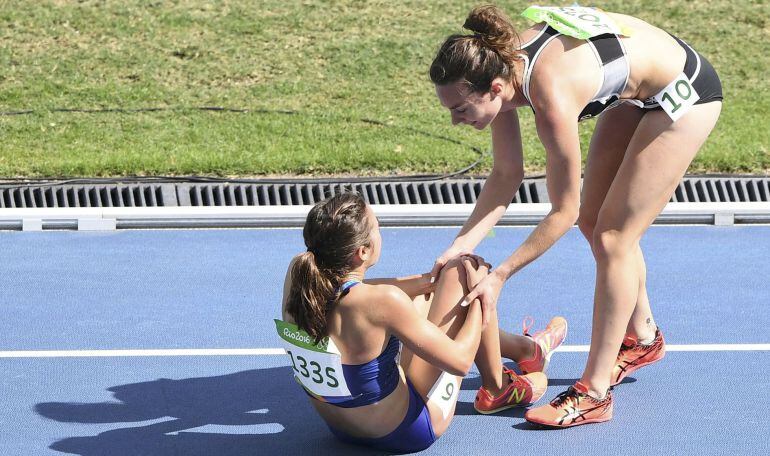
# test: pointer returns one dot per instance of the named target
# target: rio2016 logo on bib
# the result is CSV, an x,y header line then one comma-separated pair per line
x,y
317,367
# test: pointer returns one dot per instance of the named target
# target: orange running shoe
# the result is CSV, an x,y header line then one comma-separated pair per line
x,y
634,355
572,408
523,390
546,341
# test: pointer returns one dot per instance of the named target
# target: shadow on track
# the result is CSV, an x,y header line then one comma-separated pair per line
x,y
249,412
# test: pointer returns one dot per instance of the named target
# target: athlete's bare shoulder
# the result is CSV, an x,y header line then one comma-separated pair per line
x,y
372,299
638,27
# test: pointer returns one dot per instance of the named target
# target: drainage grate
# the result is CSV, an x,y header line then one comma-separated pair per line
x,y
289,193
115,195
292,194
721,190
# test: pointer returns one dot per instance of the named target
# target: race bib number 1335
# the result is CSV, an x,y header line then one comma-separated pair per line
x,y
317,367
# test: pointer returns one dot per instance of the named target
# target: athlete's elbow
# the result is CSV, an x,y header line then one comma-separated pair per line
x,y
571,216
567,214
461,368
509,176
465,363
466,368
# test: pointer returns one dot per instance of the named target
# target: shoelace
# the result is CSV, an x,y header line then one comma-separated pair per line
x,y
512,375
571,394
574,396
526,324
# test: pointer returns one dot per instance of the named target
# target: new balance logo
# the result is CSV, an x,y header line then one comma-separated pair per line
x,y
519,396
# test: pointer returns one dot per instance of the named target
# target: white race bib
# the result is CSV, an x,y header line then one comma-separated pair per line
x,y
317,367
677,97
445,392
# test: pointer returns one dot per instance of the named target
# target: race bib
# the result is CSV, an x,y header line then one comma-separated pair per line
x,y
445,392
317,367
576,21
677,97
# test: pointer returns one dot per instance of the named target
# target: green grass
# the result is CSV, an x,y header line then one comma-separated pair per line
x,y
334,62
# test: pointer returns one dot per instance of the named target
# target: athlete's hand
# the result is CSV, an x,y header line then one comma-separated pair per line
x,y
476,268
428,285
487,291
441,261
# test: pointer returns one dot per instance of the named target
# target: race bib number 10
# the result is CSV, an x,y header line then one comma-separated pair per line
x,y
317,367
677,97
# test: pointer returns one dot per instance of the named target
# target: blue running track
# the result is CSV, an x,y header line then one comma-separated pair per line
x,y
220,289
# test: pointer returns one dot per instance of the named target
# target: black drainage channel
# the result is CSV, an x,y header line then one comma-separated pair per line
x,y
295,193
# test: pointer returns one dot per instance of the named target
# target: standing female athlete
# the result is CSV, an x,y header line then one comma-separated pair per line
x,y
343,334
576,63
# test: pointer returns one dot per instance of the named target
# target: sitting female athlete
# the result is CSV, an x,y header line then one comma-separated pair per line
x,y
576,63
344,335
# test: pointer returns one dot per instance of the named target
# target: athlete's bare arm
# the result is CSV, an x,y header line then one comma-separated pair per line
x,y
413,286
395,312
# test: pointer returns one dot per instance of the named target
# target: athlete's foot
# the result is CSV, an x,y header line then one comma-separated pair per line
x,y
634,355
495,390
546,341
572,408
521,390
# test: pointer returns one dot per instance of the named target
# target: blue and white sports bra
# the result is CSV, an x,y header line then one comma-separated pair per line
x,y
372,381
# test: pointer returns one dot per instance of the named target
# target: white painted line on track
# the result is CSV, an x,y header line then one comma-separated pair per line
x,y
147,353
280,351
683,348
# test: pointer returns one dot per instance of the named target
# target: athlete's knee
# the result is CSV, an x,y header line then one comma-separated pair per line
x,y
586,223
453,262
607,244
454,265
453,271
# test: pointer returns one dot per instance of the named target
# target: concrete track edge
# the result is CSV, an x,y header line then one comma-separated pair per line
x,y
98,219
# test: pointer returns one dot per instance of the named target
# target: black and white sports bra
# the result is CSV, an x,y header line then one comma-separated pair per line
x,y
610,53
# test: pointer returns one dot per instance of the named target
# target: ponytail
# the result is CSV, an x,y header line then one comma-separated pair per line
x,y
309,296
479,58
335,228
